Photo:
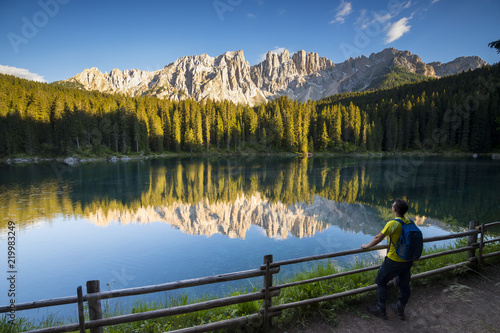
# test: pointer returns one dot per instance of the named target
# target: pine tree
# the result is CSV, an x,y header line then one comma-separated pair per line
x,y
356,123
370,137
337,124
155,133
264,137
391,132
290,134
277,127
220,131
237,136
190,140
198,129
324,138
253,124
364,131
167,125
207,125
176,130
106,128
480,139
416,141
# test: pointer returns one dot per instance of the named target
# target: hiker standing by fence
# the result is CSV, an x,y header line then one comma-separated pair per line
x,y
404,247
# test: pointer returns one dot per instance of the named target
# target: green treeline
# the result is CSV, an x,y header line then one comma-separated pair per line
x,y
460,112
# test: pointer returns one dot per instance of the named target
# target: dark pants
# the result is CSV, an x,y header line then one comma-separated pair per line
x,y
389,270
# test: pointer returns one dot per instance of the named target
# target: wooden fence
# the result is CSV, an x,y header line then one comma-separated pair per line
x,y
264,317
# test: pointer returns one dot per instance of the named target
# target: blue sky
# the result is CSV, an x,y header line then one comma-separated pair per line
x,y
51,40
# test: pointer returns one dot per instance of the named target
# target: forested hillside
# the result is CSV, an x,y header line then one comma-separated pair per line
x,y
459,112
395,77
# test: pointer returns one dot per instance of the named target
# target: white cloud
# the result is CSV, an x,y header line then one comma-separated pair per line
x,y
365,19
362,19
397,29
343,10
382,16
433,2
22,73
252,16
277,50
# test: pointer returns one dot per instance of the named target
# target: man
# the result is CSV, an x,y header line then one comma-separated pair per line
x,y
393,265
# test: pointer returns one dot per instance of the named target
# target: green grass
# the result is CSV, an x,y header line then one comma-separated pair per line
x,y
20,325
325,311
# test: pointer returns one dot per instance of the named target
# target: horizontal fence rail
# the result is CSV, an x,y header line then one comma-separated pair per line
x,y
141,290
266,294
324,256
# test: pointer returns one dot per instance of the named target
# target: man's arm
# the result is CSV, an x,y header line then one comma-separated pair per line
x,y
377,239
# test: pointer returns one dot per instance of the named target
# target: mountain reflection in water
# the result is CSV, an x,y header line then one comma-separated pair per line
x,y
234,219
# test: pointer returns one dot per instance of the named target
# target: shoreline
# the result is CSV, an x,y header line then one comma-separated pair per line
x,y
76,159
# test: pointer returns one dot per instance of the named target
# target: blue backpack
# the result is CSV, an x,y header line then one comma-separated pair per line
x,y
410,243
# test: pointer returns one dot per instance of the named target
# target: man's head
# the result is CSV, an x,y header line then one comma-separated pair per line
x,y
400,207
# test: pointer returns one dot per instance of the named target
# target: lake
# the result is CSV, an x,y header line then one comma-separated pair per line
x,y
143,222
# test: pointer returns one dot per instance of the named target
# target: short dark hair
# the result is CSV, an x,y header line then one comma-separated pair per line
x,y
400,206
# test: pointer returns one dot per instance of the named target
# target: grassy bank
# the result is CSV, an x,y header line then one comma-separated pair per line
x,y
325,311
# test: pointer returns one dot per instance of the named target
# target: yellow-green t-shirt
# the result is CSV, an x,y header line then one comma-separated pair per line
x,y
393,230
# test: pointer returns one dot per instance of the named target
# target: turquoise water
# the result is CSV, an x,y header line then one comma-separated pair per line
x,y
138,223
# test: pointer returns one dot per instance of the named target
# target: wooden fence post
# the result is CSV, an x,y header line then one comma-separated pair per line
x,y
481,245
268,282
95,311
472,239
81,315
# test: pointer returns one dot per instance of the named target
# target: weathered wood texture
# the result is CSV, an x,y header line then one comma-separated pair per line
x,y
471,239
81,314
95,310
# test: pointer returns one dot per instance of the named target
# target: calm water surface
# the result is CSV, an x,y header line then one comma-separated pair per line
x,y
137,223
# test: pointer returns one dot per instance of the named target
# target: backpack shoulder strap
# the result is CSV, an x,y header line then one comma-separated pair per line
x,y
402,222
390,239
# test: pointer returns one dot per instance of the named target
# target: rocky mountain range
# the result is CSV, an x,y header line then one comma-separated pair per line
x,y
229,76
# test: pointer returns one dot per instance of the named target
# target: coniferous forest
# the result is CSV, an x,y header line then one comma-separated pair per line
x,y
459,113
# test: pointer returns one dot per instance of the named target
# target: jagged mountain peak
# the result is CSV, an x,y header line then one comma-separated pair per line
x,y
232,54
93,70
302,76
